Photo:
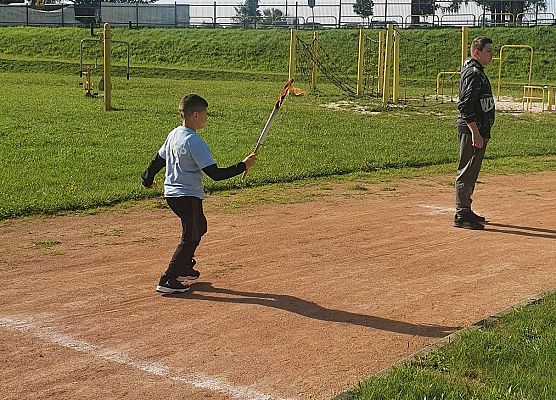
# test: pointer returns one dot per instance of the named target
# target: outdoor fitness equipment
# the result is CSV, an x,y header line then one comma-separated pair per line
x,y
104,37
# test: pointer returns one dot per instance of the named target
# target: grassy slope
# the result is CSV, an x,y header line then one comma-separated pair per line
x,y
266,51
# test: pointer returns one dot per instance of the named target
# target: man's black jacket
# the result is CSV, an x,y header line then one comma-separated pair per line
x,y
476,103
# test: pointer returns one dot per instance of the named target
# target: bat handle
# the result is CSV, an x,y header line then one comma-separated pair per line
x,y
243,175
254,152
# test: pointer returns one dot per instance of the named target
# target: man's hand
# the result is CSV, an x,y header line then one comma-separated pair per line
x,y
151,186
477,140
250,160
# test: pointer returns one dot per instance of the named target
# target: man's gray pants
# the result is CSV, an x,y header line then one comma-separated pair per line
x,y
470,161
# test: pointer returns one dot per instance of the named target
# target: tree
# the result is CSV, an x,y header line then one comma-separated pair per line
x,y
248,12
421,7
271,15
363,8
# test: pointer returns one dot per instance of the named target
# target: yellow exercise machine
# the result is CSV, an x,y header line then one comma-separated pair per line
x,y
105,83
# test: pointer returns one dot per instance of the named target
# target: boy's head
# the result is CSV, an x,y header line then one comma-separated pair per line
x,y
481,50
193,111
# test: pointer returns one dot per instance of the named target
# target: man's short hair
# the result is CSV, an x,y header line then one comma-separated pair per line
x,y
480,42
191,103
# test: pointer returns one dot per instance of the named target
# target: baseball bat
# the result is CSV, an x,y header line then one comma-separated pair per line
x,y
270,119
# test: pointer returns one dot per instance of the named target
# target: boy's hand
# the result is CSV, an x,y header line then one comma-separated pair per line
x,y
250,160
151,186
477,140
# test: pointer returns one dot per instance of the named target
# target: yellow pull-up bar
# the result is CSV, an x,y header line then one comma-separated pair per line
x,y
519,46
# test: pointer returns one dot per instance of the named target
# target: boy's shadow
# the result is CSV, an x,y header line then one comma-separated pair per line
x,y
205,291
520,230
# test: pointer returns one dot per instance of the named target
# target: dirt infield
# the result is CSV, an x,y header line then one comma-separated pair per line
x,y
295,301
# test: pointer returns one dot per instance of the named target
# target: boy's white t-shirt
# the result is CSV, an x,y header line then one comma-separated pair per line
x,y
186,154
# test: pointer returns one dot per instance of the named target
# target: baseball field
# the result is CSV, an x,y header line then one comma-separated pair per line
x,y
333,261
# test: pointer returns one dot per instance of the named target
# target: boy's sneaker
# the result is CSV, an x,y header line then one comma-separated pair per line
x,y
190,273
462,221
170,285
477,218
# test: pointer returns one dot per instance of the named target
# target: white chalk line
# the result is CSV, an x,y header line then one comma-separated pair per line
x,y
437,210
201,381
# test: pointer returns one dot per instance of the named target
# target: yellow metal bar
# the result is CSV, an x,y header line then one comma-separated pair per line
x,y
551,98
500,60
107,38
464,41
314,61
387,64
360,62
529,96
291,63
396,77
441,75
380,75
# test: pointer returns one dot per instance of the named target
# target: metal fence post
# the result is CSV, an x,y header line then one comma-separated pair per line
x,y
27,15
296,4
214,16
339,15
137,15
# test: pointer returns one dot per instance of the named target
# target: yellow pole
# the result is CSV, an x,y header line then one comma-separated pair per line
x,y
360,62
515,46
380,61
464,41
291,65
530,66
396,78
314,61
107,39
550,98
387,60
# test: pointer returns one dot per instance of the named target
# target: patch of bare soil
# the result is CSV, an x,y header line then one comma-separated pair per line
x,y
295,301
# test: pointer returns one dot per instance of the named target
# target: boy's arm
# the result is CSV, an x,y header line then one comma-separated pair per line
x,y
467,106
218,174
154,167
468,97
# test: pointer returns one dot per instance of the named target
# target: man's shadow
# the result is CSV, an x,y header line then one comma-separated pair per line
x,y
520,230
205,291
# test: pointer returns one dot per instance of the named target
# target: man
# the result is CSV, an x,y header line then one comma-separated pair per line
x,y
476,106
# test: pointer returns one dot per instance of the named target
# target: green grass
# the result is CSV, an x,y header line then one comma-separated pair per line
x,y
241,53
511,359
60,151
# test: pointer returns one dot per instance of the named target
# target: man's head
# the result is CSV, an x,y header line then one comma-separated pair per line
x,y
481,50
193,111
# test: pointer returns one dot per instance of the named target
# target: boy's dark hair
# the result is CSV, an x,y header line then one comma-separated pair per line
x,y
480,42
191,103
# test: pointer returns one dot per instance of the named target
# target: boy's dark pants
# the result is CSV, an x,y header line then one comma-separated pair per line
x,y
470,161
190,211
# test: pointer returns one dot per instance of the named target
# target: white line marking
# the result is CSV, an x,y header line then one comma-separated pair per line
x,y
197,380
438,210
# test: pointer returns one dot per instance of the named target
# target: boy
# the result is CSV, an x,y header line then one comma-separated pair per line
x,y
476,106
186,156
